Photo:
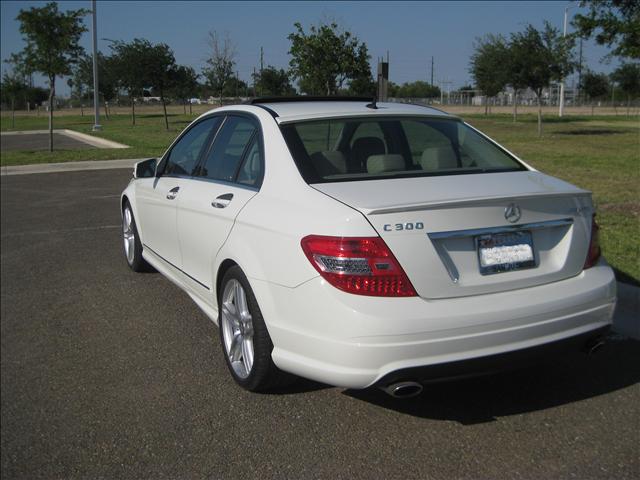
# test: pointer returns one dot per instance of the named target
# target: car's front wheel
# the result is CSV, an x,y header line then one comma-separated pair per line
x,y
131,242
246,343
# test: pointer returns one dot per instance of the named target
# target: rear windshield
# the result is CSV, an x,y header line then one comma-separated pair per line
x,y
351,149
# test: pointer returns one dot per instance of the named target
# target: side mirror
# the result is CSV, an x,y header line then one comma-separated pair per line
x,y
145,168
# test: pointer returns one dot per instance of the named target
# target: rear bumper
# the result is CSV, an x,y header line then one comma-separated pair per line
x,y
353,341
501,362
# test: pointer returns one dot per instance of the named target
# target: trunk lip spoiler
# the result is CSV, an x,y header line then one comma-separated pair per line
x,y
466,201
472,232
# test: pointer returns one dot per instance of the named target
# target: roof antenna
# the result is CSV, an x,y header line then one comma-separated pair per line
x,y
373,105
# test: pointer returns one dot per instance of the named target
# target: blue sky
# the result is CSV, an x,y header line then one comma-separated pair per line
x,y
411,31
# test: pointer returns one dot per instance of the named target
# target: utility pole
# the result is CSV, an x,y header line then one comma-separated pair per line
x,y
261,61
564,34
580,68
96,100
255,93
432,70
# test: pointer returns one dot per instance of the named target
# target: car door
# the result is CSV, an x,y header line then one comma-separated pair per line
x,y
229,175
156,197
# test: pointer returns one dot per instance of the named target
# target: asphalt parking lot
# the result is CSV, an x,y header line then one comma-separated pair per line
x,y
40,141
110,374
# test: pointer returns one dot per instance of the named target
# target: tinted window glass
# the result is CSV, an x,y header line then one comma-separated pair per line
x,y
222,161
393,147
184,154
251,169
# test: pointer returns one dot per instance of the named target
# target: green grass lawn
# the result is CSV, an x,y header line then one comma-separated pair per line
x,y
600,153
148,138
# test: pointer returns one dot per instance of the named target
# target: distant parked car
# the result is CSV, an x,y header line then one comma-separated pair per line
x,y
195,101
362,244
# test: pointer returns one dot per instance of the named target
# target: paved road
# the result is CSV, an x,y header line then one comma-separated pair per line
x,y
40,141
106,373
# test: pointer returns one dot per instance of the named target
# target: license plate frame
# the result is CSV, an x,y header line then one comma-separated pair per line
x,y
507,239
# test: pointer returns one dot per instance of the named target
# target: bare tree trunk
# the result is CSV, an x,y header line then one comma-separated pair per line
x,y
81,108
628,105
486,105
184,107
539,114
52,94
592,108
190,111
133,109
13,112
515,106
164,109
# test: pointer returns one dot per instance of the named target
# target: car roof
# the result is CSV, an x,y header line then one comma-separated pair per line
x,y
298,110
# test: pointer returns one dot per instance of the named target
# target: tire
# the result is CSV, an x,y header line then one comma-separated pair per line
x,y
243,332
132,247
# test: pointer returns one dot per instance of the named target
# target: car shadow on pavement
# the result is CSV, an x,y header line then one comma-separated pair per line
x,y
484,399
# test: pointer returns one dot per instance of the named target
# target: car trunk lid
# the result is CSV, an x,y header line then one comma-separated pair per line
x,y
433,226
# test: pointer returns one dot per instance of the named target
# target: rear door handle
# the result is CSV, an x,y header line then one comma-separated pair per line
x,y
222,201
172,193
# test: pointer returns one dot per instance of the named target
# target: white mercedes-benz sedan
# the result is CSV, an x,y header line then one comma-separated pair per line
x,y
362,244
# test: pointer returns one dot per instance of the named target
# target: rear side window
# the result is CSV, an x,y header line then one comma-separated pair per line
x,y
223,160
184,155
388,147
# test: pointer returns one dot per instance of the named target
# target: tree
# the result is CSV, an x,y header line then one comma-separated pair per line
x,y
24,74
159,64
184,85
12,86
234,87
627,76
614,23
83,78
417,89
128,69
220,62
140,64
594,85
540,58
489,66
52,46
325,58
515,75
272,82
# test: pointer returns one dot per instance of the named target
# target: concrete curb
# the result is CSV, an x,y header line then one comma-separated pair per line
x,y
81,137
69,166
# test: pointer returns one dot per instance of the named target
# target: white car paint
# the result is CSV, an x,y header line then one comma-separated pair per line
x,y
325,334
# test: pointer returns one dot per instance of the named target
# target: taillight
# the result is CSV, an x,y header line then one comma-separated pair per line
x,y
360,265
594,245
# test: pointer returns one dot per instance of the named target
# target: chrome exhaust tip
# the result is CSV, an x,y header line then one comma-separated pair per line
x,y
403,389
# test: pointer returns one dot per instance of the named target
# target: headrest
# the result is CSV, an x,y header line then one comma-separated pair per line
x,y
385,163
438,158
329,162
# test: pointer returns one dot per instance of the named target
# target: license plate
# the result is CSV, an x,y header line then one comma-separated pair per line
x,y
505,252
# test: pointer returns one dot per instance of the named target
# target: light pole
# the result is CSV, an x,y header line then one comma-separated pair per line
x,y
96,100
564,34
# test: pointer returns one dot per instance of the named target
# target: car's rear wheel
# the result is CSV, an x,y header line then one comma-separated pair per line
x,y
131,242
246,343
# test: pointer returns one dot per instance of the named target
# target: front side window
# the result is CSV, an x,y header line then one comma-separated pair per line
x,y
230,147
184,155
388,147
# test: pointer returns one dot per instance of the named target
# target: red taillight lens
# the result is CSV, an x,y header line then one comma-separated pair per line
x,y
594,245
360,265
